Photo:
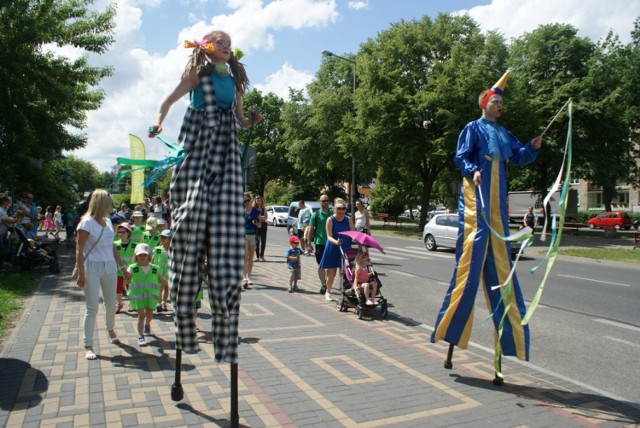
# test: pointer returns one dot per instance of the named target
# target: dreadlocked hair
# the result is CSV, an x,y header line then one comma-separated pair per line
x,y
199,63
239,74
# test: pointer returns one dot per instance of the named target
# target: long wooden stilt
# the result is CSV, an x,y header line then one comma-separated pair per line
x,y
177,393
448,364
235,417
497,380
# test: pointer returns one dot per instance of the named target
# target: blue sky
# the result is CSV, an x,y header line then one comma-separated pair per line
x,y
283,41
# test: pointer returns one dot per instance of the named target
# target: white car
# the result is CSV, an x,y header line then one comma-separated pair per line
x,y
442,232
439,210
415,211
277,215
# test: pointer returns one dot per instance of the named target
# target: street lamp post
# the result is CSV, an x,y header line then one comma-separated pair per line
x,y
353,191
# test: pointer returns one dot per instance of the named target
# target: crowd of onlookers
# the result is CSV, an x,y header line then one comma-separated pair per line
x,y
25,215
44,224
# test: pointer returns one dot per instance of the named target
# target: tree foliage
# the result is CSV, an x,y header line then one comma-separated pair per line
x,y
419,86
310,137
607,127
44,97
267,140
549,67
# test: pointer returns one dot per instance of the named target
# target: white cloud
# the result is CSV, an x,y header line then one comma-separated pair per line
x,y
142,80
251,22
283,79
593,19
358,5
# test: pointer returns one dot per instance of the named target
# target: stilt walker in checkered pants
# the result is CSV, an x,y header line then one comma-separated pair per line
x,y
206,193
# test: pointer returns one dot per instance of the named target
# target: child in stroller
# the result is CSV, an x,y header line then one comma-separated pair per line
x,y
365,285
364,293
27,253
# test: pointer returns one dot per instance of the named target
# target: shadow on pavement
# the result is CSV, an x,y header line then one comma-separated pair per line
x,y
600,409
143,361
218,422
13,373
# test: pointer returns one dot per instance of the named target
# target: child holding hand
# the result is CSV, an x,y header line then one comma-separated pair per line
x,y
144,289
160,258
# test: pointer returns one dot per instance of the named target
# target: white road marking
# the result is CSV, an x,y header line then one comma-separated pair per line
x,y
617,324
376,257
615,339
420,252
410,275
594,280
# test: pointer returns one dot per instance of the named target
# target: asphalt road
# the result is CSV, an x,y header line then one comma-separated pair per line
x,y
587,327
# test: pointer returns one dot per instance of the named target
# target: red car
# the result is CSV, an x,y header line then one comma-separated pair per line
x,y
613,219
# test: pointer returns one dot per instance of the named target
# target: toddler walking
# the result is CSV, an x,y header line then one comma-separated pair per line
x,y
161,259
125,247
144,289
293,262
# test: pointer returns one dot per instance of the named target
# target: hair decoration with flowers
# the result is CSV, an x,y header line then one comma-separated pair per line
x,y
203,44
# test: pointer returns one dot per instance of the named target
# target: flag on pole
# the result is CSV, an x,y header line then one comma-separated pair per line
x,y
137,175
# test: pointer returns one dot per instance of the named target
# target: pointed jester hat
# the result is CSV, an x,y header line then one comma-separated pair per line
x,y
497,88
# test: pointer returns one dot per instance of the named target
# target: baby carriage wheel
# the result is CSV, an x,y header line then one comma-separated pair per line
x,y
383,309
341,305
358,313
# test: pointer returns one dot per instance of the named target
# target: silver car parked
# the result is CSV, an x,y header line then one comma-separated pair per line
x,y
441,231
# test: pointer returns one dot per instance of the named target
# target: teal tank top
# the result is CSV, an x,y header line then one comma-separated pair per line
x,y
225,92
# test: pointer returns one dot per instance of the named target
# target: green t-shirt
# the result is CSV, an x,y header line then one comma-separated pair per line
x,y
319,222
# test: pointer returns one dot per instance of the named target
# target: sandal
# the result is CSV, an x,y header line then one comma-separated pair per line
x,y
114,337
89,354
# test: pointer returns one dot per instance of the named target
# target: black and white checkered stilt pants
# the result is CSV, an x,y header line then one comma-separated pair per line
x,y
208,222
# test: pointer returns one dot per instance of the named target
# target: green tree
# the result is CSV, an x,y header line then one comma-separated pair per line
x,y
631,89
419,86
606,142
549,65
272,163
84,176
317,163
44,97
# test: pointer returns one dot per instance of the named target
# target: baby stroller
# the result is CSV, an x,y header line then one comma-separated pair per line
x,y
24,256
352,297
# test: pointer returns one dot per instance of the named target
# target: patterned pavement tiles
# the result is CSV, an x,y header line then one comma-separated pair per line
x,y
302,363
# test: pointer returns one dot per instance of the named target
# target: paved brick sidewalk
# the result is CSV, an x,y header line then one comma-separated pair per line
x,y
302,363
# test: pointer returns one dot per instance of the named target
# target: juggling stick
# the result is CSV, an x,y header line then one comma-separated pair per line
x,y
448,364
177,393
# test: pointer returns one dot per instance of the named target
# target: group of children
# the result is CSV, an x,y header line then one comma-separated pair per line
x,y
148,288
53,223
365,286
143,249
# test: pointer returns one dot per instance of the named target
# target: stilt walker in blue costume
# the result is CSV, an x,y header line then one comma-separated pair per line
x,y
484,151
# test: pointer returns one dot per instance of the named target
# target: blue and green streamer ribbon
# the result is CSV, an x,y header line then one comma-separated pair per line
x,y
526,238
160,167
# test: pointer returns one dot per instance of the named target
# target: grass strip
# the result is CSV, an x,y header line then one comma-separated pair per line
x,y
15,289
614,254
